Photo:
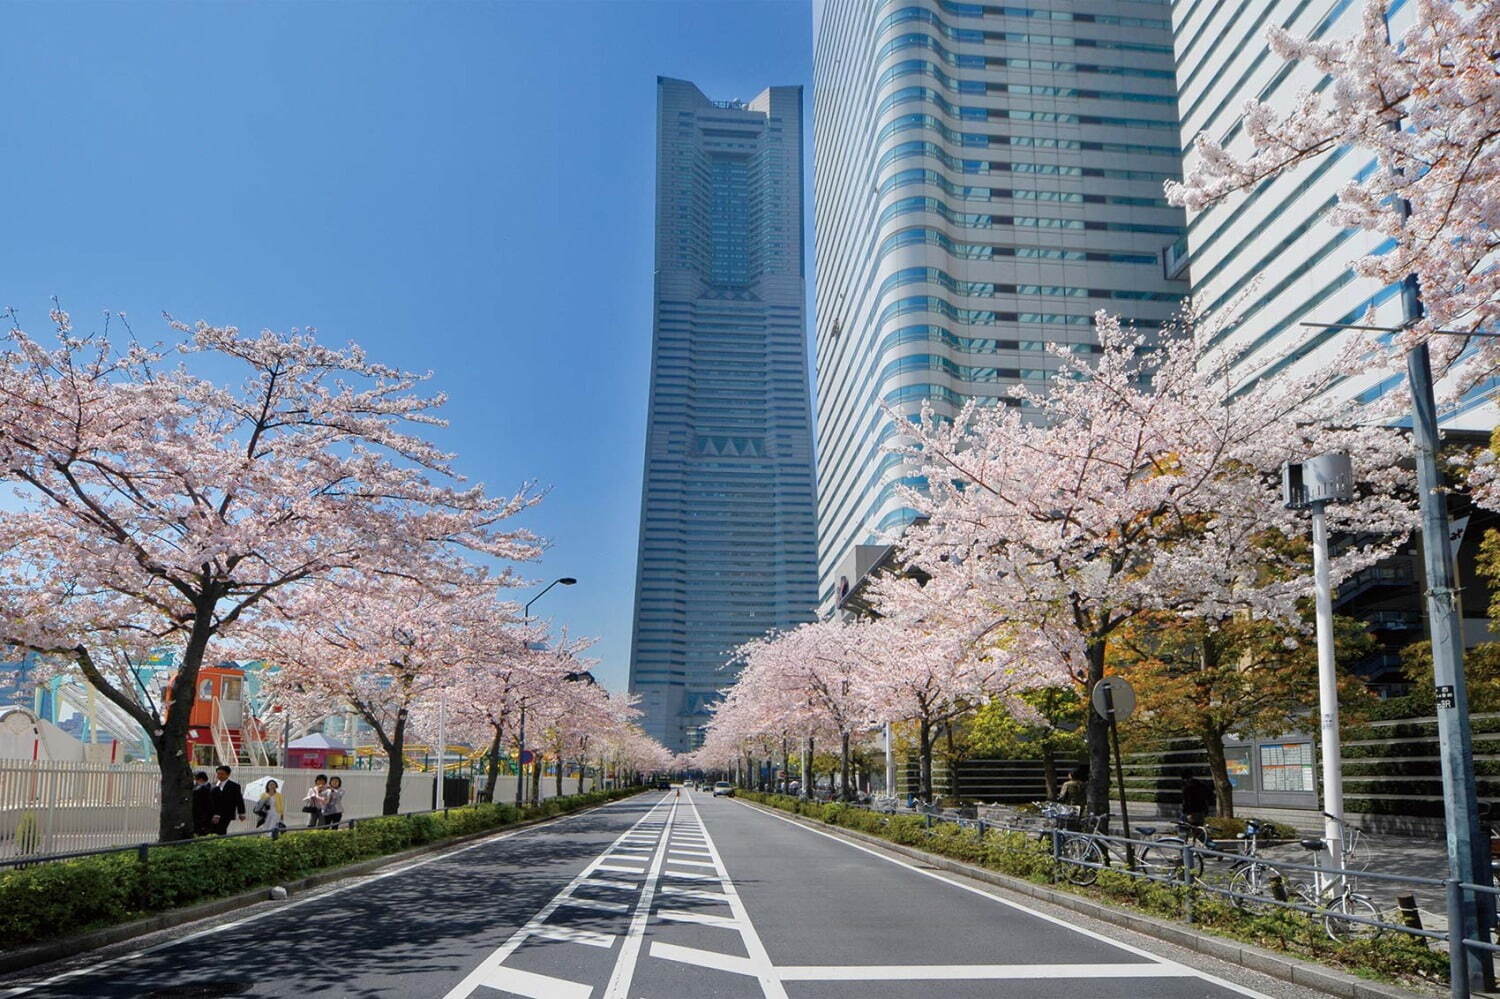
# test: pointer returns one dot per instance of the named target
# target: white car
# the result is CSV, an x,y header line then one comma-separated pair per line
x,y
724,789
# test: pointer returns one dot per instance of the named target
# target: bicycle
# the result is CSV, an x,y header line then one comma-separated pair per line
x,y
1077,843
1249,876
1330,893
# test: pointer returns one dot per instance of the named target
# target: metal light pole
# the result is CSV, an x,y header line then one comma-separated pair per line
x,y
521,729
1312,485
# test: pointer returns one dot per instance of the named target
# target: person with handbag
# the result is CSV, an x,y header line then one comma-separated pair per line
x,y
333,808
316,798
271,808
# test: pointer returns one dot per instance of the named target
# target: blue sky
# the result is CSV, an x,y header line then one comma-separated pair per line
x,y
461,187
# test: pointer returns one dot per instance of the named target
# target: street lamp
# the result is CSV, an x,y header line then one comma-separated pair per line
x,y
1312,485
521,737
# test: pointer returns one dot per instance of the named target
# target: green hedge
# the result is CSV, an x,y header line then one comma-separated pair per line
x,y
55,899
1393,956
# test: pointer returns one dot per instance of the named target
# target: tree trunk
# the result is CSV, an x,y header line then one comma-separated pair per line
x,y
488,794
924,759
1097,734
786,765
808,777
536,778
557,776
395,766
1213,742
844,793
176,821
1049,768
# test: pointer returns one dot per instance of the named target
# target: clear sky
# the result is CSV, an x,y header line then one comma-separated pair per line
x,y
461,187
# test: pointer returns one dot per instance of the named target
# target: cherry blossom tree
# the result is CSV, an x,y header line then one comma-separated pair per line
x,y
1426,105
1121,489
157,507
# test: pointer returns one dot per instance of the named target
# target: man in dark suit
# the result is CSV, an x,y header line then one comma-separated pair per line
x,y
228,802
203,804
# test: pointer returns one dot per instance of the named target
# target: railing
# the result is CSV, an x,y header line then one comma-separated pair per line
x,y
1337,896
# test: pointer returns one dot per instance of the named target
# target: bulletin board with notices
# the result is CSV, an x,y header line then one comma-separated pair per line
x,y
1287,766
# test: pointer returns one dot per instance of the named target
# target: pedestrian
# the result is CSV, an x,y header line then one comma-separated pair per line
x,y
1075,790
315,799
203,804
333,808
271,808
1197,799
228,802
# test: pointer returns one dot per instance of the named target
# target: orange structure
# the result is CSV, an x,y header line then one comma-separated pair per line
x,y
222,728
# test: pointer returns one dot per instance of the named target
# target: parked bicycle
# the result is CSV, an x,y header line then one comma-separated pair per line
x,y
1331,891
1078,846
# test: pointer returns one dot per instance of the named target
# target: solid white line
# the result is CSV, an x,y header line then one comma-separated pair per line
x,y
534,986
620,869
630,950
480,976
683,916
770,985
606,883
707,959
687,876
304,899
572,934
975,972
598,905
694,893
691,863
1213,979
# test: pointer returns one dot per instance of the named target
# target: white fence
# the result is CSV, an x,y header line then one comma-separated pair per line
x,y
51,807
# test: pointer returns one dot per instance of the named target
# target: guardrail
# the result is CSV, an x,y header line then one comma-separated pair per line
x,y
1327,892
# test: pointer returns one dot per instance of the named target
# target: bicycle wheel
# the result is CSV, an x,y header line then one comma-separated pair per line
x,y
1253,879
1355,904
1162,858
1075,851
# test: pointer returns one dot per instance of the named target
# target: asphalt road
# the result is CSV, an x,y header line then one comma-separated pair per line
x,y
655,897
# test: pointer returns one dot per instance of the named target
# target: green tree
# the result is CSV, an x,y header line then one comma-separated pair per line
x,y
1056,731
1241,675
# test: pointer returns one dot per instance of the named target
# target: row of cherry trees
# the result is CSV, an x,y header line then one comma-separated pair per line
x,y
233,496
1145,485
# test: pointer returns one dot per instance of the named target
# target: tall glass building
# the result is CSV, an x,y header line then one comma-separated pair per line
x,y
987,176
727,545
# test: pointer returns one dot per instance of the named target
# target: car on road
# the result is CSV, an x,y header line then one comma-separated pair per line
x,y
723,789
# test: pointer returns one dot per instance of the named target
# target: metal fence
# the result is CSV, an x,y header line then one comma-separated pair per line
x,y
49,807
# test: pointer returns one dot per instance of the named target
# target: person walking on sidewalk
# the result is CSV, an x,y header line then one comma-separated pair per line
x,y
203,804
227,802
333,808
271,808
314,800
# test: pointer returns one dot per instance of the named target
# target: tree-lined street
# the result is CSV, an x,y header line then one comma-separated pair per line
x,y
657,895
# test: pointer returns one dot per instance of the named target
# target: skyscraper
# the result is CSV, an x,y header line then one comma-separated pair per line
x,y
986,178
727,545
1271,257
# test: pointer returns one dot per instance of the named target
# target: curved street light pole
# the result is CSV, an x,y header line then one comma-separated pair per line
x,y
521,734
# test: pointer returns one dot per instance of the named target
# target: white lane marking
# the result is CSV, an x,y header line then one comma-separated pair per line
x,y
974,972
684,916
606,883
764,973
491,965
597,904
573,934
620,869
694,893
630,950
305,899
690,876
678,851
1213,979
533,986
691,863
707,959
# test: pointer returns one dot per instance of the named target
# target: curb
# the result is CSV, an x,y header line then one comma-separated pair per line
x,y
52,950
1277,965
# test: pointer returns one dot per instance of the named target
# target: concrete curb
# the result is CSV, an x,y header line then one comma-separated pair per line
x,y
1269,962
52,950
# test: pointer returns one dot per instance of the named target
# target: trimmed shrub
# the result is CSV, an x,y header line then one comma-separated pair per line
x,y
54,899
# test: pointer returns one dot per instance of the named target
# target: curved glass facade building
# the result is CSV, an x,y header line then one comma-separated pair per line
x,y
727,544
986,177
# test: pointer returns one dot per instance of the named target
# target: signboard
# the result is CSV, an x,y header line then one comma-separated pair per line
x,y
1237,763
1445,696
1120,692
1287,766
526,757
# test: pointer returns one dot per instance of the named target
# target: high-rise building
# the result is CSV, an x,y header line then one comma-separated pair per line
x,y
1273,261
727,544
986,177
